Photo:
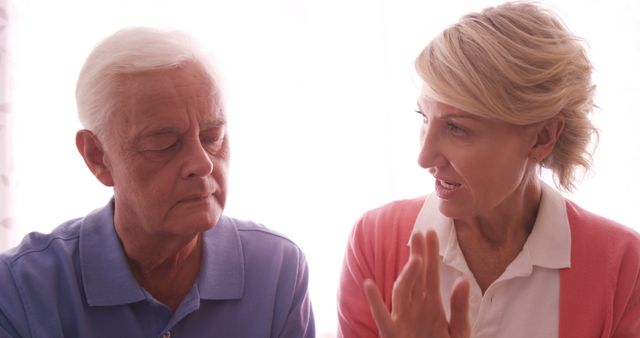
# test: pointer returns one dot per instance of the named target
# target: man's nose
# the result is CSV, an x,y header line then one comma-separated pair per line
x,y
197,161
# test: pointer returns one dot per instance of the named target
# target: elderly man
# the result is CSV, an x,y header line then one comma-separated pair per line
x,y
160,259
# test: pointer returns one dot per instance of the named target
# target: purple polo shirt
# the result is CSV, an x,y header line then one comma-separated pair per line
x,y
75,282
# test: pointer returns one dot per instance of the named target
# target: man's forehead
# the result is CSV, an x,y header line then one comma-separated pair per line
x,y
158,83
169,117
182,75
160,91
179,95
162,114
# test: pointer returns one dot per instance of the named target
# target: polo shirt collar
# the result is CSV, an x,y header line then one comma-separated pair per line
x,y
222,272
548,245
107,278
430,218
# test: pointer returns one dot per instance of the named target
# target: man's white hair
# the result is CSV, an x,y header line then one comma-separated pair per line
x,y
127,51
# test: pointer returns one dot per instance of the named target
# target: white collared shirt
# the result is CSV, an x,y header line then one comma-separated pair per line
x,y
524,300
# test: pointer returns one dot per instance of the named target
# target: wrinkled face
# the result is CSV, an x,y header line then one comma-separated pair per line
x,y
168,152
479,164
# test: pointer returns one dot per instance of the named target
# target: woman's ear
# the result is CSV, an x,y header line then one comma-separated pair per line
x,y
94,156
547,137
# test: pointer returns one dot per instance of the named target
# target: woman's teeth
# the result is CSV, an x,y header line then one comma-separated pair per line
x,y
448,186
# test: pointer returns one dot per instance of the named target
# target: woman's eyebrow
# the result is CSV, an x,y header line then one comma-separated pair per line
x,y
462,116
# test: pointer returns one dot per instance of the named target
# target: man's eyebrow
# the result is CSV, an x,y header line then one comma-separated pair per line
x,y
213,124
217,123
159,132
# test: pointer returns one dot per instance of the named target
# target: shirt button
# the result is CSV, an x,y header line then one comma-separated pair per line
x,y
167,334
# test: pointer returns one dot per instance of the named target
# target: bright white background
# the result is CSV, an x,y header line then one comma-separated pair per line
x,y
320,97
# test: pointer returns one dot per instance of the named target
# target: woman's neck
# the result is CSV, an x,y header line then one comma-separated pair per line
x,y
490,242
512,219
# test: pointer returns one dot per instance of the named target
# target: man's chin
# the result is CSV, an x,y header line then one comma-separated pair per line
x,y
202,224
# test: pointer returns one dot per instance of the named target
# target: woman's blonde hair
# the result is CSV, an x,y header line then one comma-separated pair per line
x,y
518,63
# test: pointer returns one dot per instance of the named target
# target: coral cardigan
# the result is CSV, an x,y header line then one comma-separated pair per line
x,y
599,293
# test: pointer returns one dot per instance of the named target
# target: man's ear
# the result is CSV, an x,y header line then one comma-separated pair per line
x,y
547,137
94,156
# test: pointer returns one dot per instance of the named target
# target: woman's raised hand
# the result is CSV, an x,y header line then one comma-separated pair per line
x,y
417,309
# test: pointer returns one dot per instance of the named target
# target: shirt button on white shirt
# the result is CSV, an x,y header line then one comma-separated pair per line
x,y
166,334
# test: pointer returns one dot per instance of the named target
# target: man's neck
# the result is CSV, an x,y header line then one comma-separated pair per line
x,y
166,271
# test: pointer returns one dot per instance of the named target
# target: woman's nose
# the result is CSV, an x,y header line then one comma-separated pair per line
x,y
430,148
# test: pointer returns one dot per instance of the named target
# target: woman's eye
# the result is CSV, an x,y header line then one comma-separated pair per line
x,y
455,129
425,120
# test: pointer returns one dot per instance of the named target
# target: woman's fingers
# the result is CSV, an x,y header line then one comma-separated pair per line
x,y
417,308
378,310
403,288
418,249
459,325
433,267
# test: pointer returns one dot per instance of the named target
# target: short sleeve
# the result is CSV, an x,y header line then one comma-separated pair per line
x,y
300,322
13,321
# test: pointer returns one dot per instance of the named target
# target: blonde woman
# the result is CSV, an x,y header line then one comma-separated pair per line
x,y
494,251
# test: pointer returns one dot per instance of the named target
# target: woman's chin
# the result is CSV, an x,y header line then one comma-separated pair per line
x,y
453,210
